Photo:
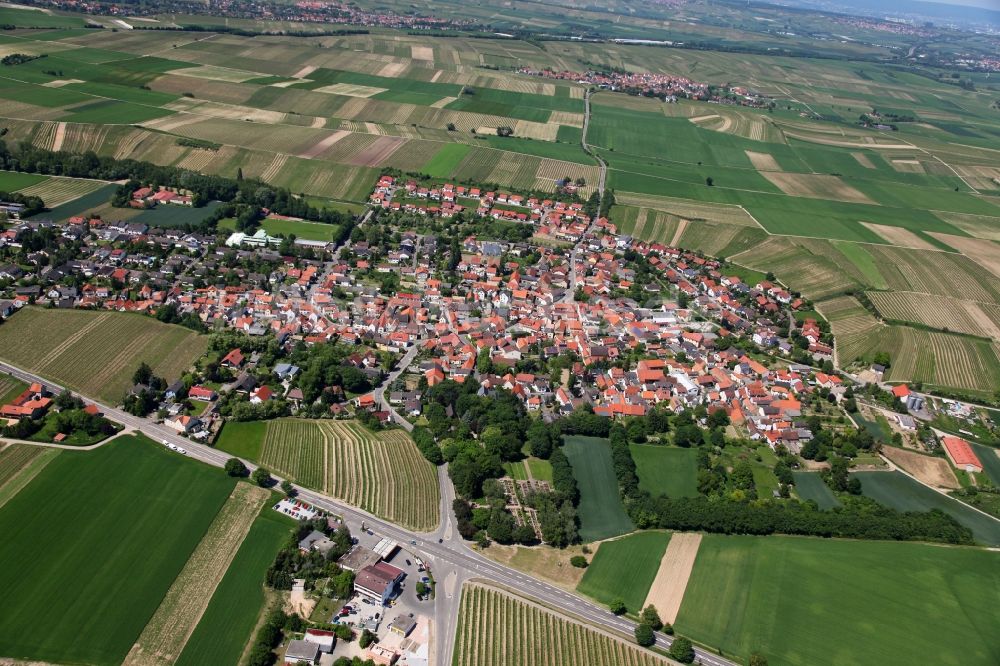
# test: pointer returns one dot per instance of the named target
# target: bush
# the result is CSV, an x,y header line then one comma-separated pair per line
x,y
235,467
681,650
644,635
261,477
367,638
579,561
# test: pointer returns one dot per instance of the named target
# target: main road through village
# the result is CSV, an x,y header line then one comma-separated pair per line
x,y
451,561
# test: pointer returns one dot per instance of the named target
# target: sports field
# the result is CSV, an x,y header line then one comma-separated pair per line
x,y
127,516
497,629
96,353
381,472
666,470
900,492
601,512
804,601
625,568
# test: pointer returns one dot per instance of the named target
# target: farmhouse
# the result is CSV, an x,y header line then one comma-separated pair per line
x,y
378,582
31,404
201,393
961,454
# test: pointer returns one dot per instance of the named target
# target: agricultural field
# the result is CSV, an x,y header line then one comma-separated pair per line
x,y
898,491
665,470
228,621
625,568
56,191
119,498
381,472
496,628
804,601
19,464
811,486
167,632
72,347
601,512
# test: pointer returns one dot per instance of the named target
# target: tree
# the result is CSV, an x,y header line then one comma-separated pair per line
x,y
367,638
651,617
235,467
757,659
287,488
710,181
422,589
504,130
143,374
644,635
261,477
451,127
617,606
681,650
579,561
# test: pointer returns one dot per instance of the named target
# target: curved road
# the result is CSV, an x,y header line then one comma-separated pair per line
x,y
453,561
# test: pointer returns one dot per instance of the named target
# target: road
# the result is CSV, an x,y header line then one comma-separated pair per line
x,y
379,393
453,562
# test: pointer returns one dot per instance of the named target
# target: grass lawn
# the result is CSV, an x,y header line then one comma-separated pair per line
x,y
810,486
900,492
92,544
541,470
805,601
625,568
516,470
228,621
601,512
11,181
242,439
666,470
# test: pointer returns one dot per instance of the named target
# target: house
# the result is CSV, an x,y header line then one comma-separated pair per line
x,y
31,404
402,625
324,639
7,308
183,423
302,651
202,393
378,582
233,359
261,394
317,541
286,371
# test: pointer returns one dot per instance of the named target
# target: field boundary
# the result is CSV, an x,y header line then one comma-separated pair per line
x,y
168,630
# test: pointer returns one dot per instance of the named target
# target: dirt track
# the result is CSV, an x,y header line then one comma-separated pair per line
x,y
667,590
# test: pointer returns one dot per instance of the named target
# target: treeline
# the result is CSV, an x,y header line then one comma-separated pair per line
x,y
19,58
252,194
32,204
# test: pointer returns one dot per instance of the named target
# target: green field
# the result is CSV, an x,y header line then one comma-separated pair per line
x,y
900,492
625,568
11,181
84,204
96,353
446,159
601,512
991,461
810,486
243,439
228,622
92,544
665,470
818,601
167,215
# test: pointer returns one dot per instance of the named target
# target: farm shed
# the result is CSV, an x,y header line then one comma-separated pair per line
x,y
961,454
